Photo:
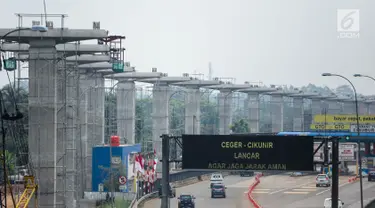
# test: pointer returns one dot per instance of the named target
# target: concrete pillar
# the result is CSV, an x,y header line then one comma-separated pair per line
x,y
367,148
316,106
333,107
299,114
193,111
349,107
371,108
253,112
43,107
95,121
277,113
126,94
160,117
362,108
225,111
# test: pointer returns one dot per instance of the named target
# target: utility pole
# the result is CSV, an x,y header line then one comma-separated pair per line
x,y
335,173
165,171
326,154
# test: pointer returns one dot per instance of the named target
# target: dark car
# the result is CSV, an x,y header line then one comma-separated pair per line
x,y
371,176
247,173
186,201
172,191
218,190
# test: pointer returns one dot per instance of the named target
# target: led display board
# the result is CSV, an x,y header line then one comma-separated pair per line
x,y
242,152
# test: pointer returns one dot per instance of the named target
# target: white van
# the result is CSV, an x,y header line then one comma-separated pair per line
x,y
328,203
216,178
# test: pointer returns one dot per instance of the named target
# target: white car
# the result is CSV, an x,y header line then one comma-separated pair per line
x,y
323,180
328,203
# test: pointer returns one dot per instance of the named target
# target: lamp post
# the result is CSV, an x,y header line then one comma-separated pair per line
x,y
358,130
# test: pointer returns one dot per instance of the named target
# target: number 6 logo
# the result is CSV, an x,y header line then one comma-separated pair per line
x,y
347,20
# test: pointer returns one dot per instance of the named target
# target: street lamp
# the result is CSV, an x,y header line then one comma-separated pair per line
x,y
362,75
358,130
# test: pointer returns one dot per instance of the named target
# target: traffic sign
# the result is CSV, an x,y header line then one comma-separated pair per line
x,y
100,187
245,152
362,128
343,119
122,180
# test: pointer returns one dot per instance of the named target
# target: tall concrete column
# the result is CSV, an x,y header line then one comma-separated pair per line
x,y
349,107
277,113
316,106
225,111
333,107
94,120
371,108
43,110
125,95
253,111
160,117
362,108
193,111
299,114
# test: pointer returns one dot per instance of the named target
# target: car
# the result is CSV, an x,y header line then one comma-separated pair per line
x,y
323,180
328,203
371,175
247,173
172,191
216,178
296,174
218,190
186,201
364,174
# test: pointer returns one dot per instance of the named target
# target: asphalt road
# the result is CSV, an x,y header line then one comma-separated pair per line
x,y
236,194
300,192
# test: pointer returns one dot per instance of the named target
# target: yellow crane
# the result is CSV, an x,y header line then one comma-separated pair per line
x,y
30,190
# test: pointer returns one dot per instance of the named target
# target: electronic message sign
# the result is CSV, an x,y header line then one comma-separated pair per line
x,y
241,152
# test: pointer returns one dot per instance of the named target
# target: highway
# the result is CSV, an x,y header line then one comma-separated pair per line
x,y
300,192
236,197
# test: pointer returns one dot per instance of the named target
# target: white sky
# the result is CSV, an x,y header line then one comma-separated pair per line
x,y
273,41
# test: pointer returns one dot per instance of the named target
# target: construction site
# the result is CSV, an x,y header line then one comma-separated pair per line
x,y
81,90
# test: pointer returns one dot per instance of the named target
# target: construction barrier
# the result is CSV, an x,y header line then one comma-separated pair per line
x,y
251,188
352,179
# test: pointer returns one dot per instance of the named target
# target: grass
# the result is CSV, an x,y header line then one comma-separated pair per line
x,y
119,203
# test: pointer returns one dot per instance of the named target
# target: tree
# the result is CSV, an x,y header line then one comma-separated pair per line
x,y
209,117
143,122
240,127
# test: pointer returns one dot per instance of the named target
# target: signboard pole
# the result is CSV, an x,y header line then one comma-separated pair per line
x,y
335,172
165,172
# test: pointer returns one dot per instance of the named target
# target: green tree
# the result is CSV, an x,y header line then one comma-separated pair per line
x,y
240,127
143,122
209,117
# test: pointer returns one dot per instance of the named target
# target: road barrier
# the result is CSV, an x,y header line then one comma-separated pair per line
x,y
251,188
353,179
178,180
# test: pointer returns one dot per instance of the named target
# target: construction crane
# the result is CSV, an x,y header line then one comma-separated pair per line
x,y
30,189
4,188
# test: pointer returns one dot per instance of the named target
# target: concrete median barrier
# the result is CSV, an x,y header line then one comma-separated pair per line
x,y
251,188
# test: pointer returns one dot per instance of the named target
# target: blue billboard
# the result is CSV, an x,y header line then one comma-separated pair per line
x,y
101,160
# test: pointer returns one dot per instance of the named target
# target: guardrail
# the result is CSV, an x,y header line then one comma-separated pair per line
x,y
178,179
251,188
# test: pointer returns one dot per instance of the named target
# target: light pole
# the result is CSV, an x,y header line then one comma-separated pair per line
x,y
358,130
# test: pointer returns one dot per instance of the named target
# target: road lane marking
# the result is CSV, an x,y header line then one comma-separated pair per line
x,y
304,189
260,192
260,189
296,192
329,189
290,188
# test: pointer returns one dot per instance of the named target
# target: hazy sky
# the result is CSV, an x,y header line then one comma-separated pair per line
x,y
272,41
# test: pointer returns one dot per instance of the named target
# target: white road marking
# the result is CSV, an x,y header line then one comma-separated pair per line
x,y
290,188
329,189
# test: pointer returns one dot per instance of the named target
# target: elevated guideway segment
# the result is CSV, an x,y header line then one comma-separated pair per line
x,y
45,87
252,103
161,94
317,104
225,101
126,96
193,103
277,108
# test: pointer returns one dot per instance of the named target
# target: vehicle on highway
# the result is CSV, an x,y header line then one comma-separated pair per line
x,y
247,173
323,180
371,175
364,174
172,191
218,190
328,203
216,178
186,201
295,174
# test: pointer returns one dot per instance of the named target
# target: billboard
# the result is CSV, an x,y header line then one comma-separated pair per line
x,y
335,127
245,152
343,119
362,128
318,157
346,152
